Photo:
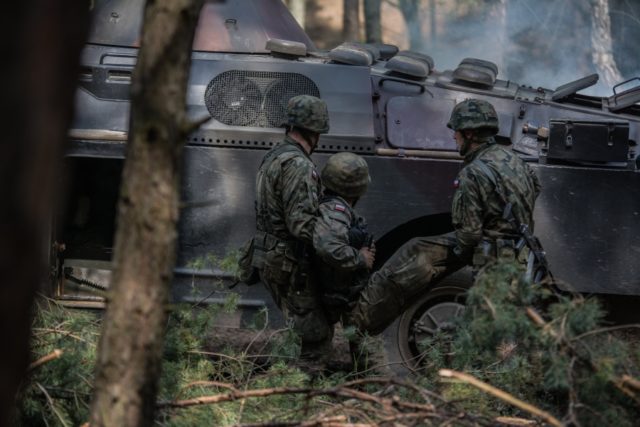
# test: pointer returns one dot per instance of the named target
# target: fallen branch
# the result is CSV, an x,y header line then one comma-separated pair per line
x,y
617,382
206,384
345,392
502,395
55,354
335,421
608,329
229,397
630,381
513,421
52,405
382,409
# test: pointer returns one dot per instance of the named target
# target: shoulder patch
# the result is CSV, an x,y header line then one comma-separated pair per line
x,y
456,183
340,208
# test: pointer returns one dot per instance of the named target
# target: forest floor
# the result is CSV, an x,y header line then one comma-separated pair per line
x,y
510,362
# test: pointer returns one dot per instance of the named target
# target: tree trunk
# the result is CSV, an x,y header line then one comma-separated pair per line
x,y
498,18
433,28
298,9
372,25
601,42
40,43
130,352
351,20
411,12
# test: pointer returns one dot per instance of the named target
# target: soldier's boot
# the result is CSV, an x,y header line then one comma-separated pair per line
x,y
316,334
315,355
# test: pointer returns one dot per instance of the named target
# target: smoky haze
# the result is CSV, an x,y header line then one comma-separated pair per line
x,y
538,43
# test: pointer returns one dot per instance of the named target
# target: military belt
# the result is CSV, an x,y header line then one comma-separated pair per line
x,y
264,242
499,248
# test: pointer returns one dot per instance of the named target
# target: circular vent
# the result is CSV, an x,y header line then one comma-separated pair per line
x,y
255,98
277,97
233,99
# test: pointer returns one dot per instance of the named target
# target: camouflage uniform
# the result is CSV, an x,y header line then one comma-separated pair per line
x,y
340,233
339,266
287,189
339,236
490,175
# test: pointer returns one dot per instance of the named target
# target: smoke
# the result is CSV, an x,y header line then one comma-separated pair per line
x,y
543,43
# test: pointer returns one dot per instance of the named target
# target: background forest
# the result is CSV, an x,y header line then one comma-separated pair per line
x,y
542,43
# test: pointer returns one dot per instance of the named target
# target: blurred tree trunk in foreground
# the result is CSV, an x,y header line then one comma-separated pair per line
x,y
351,20
298,9
372,24
602,44
40,43
130,352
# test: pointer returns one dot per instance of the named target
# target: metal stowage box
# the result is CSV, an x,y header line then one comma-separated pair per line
x,y
588,141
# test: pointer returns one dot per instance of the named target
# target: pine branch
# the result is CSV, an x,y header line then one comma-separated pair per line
x,y
55,354
502,395
617,382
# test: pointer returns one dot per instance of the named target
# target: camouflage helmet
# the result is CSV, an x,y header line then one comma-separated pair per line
x,y
346,174
308,112
474,114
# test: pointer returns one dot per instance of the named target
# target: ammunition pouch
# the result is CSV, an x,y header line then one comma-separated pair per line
x,y
496,249
301,302
247,273
282,262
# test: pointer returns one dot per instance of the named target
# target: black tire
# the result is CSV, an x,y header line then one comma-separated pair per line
x,y
438,307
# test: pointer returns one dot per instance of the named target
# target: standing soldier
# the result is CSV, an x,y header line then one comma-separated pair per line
x,y
287,191
495,193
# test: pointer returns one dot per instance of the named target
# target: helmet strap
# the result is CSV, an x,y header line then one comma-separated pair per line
x,y
310,137
474,138
466,142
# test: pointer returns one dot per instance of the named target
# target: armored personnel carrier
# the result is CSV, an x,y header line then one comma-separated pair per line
x,y
249,58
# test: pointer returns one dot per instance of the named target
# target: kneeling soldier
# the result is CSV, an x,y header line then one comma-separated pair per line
x,y
494,200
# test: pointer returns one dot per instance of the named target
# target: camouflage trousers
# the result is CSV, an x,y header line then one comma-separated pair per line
x,y
409,273
302,308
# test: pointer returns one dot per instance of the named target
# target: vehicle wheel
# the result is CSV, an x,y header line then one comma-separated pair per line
x,y
433,312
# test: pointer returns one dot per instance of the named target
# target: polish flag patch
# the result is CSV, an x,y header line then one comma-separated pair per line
x,y
340,208
456,183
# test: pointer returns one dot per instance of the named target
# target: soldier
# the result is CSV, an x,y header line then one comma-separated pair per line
x,y
344,249
493,186
344,255
287,191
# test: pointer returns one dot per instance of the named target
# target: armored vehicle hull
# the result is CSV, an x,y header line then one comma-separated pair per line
x,y
393,111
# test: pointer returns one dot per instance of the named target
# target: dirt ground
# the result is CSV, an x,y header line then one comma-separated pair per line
x,y
258,344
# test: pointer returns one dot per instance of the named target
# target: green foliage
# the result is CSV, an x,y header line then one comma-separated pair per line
x,y
228,264
566,366
553,366
57,393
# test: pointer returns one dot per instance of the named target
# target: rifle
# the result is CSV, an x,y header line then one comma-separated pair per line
x,y
537,264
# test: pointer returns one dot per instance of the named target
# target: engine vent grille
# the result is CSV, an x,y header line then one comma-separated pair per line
x,y
254,98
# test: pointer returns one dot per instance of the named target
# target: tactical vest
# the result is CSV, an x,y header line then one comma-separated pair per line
x,y
266,238
342,288
523,246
